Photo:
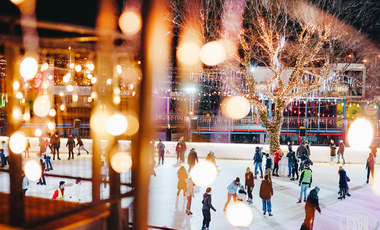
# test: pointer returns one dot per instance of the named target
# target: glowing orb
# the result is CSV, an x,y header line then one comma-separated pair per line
x,y
360,134
78,68
50,125
133,125
75,97
52,112
116,99
93,80
41,106
89,99
72,65
16,85
70,88
26,116
45,66
61,94
239,214
62,107
109,81
28,68
121,162
33,170
38,132
188,53
116,124
236,107
91,67
130,22
89,76
212,53
203,173
16,113
17,142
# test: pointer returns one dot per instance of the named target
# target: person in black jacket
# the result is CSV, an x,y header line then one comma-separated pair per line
x,y
290,155
343,185
81,145
70,144
206,209
192,159
56,142
312,204
295,167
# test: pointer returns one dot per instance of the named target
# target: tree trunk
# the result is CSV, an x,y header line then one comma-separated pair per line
x,y
273,129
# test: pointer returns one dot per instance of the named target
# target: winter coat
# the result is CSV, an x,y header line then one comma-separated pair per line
x,y
312,202
277,157
161,148
308,150
6,150
182,175
332,149
70,143
189,188
232,188
343,179
249,179
192,158
302,151
268,164
258,157
373,150
305,180
207,202
266,190
211,158
57,141
341,148
76,195
80,142
290,156
181,147
370,162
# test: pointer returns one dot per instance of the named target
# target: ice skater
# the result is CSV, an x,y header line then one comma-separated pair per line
x,y
249,184
192,159
182,175
343,183
206,209
258,161
370,166
266,192
189,195
332,152
232,189
341,152
311,205
305,181
81,145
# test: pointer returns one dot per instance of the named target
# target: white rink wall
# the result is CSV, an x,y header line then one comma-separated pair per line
x,y
319,154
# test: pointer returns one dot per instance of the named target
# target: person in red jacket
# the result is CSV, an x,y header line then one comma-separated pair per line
x,y
277,159
59,193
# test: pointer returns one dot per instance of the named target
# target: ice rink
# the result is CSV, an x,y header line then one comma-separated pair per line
x,y
166,209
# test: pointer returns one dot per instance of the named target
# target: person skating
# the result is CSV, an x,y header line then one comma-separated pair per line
x,y
56,142
258,161
206,209
180,149
307,146
290,155
241,195
266,192
189,195
182,175
27,149
268,166
232,189
332,151
2,157
81,145
48,157
5,152
70,144
104,173
276,160
295,168
59,193
249,184
192,159
343,179
370,166
42,180
161,151
341,152
311,205
25,183
211,158
305,181
76,193
373,148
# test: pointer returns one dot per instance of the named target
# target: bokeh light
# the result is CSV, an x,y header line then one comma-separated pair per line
x,y
239,215
236,107
45,66
116,99
72,65
121,162
38,132
28,68
93,80
212,53
19,95
17,142
33,170
188,53
70,88
62,107
17,2
78,68
203,173
16,113
360,134
89,76
26,116
133,125
51,125
130,22
91,67
116,124
61,94
16,85
109,81
75,97
41,106
52,112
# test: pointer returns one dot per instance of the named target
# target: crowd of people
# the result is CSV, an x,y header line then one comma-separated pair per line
x,y
298,167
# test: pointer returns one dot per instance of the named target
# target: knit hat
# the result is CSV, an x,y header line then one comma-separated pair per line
x,y
248,169
208,189
70,135
340,167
